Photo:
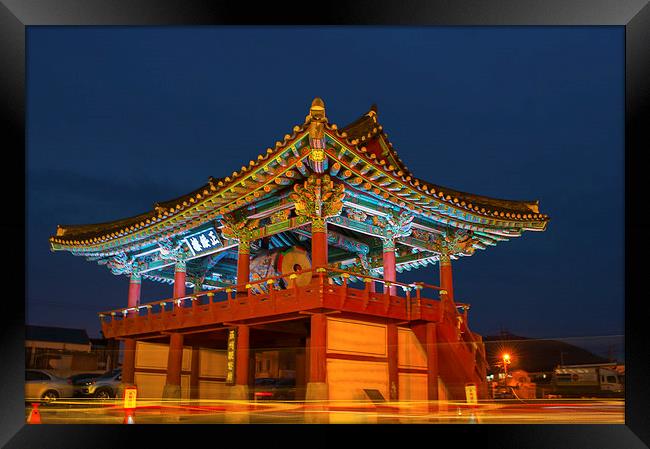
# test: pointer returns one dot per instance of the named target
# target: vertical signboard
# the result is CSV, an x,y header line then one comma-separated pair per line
x,y
470,394
130,395
230,360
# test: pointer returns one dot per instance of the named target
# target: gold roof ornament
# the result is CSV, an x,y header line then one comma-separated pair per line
x,y
317,121
317,110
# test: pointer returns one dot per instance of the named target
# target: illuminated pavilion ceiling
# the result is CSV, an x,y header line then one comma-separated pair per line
x,y
383,199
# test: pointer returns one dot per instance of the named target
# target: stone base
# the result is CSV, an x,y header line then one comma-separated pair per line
x,y
171,396
172,392
316,412
238,413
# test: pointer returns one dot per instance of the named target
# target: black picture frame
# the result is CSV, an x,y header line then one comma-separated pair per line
x,y
634,15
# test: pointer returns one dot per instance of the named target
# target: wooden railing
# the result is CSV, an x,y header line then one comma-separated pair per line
x,y
412,305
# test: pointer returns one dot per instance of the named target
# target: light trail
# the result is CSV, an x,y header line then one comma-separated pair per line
x,y
94,411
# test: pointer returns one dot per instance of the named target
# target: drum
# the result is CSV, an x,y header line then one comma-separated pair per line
x,y
282,262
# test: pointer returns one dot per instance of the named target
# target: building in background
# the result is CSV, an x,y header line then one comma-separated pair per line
x,y
66,351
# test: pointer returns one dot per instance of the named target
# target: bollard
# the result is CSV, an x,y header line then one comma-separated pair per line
x,y
129,416
34,415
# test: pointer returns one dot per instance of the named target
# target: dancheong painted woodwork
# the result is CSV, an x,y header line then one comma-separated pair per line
x,y
308,236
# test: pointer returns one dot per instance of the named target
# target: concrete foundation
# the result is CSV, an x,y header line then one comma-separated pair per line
x,y
316,402
172,392
239,412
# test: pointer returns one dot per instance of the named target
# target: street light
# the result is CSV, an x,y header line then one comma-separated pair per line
x,y
506,362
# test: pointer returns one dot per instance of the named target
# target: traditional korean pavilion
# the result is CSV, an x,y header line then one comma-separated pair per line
x,y
299,248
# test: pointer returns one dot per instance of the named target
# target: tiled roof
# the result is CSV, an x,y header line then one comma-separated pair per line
x,y
209,200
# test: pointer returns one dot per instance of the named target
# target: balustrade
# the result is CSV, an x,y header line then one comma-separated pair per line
x,y
416,301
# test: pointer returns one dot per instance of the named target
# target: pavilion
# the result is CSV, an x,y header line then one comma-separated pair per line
x,y
298,252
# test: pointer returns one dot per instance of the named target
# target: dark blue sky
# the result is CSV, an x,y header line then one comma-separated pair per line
x,y
119,118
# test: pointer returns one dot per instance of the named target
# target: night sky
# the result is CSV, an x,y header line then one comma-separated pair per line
x,y
120,118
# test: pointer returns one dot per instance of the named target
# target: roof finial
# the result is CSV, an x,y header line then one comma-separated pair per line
x,y
316,130
317,109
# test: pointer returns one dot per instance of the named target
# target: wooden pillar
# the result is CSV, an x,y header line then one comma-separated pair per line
x,y
243,266
239,392
174,365
242,355
318,348
393,377
317,390
134,290
194,374
128,361
179,279
446,282
319,243
390,271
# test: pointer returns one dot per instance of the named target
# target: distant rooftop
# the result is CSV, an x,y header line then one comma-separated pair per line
x,y
57,334
536,355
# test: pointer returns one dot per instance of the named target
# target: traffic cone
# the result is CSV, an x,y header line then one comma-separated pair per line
x,y
128,416
34,415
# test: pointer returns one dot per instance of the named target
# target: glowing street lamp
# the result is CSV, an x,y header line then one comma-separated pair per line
x,y
506,362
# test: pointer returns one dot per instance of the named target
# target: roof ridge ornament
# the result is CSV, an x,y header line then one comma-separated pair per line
x,y
318,198
317,121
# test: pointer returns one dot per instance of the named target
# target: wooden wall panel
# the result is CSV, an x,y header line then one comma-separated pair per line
x,y
212,363
356,337
186,363
155,356
185,387
347,379
213,390
150,385
413,387
151,355
410,353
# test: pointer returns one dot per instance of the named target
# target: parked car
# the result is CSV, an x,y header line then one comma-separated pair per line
x,y
504,392
102,387
45,386
268,388
82,379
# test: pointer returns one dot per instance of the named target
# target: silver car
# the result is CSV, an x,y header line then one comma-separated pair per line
x,y
43,385
102,387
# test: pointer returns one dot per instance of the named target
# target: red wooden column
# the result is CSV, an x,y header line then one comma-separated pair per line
x,y
446,282
128,362
243,265
392,351
242,355
179,279
318,348
174,364
134,290
317,389
318,243
390,272
240,390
